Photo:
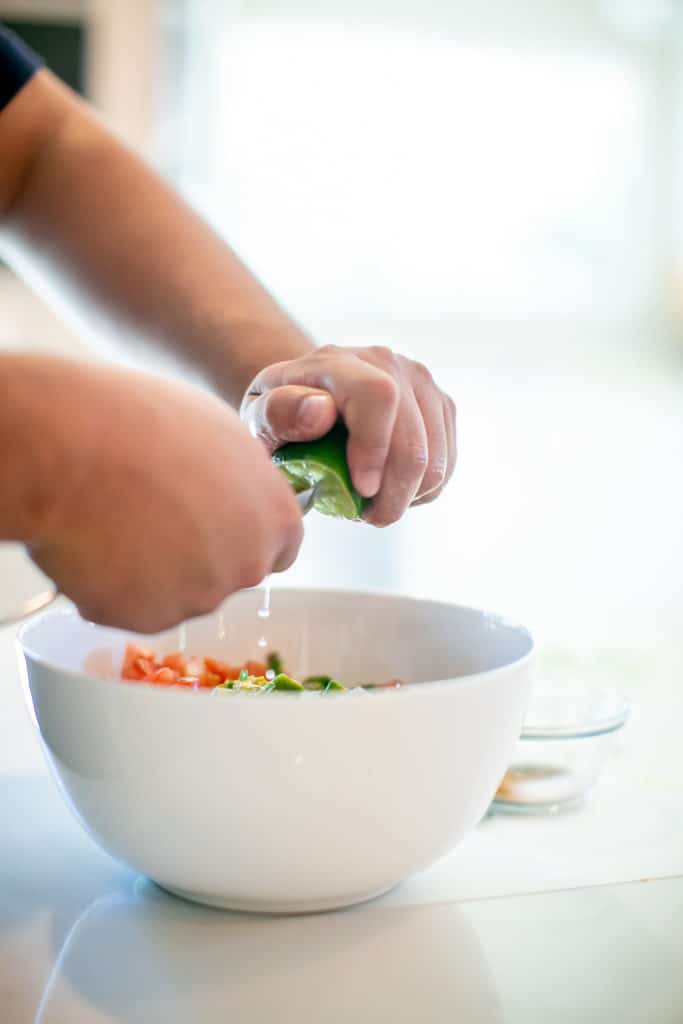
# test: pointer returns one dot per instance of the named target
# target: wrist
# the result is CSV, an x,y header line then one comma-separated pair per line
x,y
251,346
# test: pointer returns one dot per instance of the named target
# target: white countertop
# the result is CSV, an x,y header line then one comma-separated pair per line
x,y
545,919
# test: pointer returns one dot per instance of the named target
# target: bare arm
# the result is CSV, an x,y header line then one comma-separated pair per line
x,y
83,217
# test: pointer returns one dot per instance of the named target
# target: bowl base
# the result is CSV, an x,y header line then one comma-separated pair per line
x,y
548,807
314,906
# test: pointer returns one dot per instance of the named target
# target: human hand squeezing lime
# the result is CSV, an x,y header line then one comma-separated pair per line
x,y
401,446
145,500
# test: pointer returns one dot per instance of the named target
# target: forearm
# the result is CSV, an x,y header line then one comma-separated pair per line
x,y
43,444
91,221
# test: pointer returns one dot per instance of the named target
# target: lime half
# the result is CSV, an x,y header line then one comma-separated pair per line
x,y
322,463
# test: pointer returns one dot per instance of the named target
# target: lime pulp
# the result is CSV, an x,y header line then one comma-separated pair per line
x,y
323,464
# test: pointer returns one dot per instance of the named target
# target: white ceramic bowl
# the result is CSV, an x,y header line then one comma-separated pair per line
x,y
283,802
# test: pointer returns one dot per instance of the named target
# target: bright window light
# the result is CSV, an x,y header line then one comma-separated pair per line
x,y
370,174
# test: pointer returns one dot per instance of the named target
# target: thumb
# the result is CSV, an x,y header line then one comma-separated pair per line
x,y
289,413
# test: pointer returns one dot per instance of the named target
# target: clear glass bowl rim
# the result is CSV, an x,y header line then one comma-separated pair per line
x,y
598,726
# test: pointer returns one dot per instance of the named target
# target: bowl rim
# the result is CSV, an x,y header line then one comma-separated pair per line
x,y
599,726
68,610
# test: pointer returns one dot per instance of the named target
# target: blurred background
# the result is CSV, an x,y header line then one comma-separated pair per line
x,y
492,187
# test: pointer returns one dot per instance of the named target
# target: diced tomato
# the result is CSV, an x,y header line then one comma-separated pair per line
x,y
132,675
165,676
177,669
177,661
226,671
132,672
133,652
145,667
194,667
188,681
209,679
221,668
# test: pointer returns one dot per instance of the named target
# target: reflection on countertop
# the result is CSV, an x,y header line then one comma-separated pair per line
x,y
140,955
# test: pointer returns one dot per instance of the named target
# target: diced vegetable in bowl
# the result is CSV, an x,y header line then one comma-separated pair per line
x,y
144,665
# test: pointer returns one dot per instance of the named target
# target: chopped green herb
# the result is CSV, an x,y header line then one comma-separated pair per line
x,y
316,682
284,682
333,685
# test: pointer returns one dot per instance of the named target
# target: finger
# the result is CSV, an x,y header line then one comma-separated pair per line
x,y
291,531
405,466
287,556
366,396
289,413
430,404
448,411
450,419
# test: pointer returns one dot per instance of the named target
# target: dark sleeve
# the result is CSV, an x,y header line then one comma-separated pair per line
x,y
17,65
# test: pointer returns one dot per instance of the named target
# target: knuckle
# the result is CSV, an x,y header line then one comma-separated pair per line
x,y
422,372
382,390
411,463
416,456
383,355
327,350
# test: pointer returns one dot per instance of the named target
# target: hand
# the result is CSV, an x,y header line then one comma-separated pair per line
x,y
401,448
166,506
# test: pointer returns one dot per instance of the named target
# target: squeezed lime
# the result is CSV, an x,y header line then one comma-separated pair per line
x,y
322,463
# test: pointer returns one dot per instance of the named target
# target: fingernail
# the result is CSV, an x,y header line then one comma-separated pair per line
x,y
311,410
367,482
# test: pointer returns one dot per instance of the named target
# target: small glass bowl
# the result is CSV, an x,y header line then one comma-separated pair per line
x,y
567,737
